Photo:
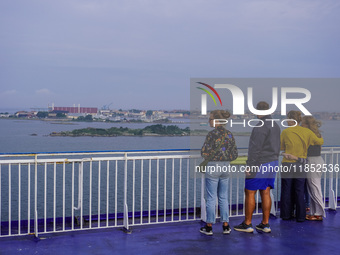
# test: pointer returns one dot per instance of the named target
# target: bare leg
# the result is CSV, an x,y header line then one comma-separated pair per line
x,y
249,205
266,204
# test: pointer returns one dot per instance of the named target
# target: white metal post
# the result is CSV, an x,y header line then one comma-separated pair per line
x,y
126,212
332,203
36,196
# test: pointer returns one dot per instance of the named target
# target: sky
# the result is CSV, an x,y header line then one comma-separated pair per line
x,y
142,54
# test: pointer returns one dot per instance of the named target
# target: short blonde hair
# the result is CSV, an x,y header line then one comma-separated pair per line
x,y
220,114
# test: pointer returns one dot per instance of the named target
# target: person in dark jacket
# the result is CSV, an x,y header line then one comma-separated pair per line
x,y
263,155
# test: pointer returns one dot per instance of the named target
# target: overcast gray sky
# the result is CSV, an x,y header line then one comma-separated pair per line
x,y
142,54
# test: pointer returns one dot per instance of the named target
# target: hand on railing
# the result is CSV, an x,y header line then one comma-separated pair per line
x,y
289,156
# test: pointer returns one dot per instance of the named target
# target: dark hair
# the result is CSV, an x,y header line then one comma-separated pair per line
x,y
295,115
262,105
220,114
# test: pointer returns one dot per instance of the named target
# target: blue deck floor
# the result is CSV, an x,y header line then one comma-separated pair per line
x,y
287,237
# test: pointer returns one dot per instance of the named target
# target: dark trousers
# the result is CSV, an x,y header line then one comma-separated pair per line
x,y
292,193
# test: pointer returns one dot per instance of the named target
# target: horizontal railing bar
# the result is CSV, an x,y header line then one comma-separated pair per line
x,y
40,161
144,214
62,231
28,154
67,160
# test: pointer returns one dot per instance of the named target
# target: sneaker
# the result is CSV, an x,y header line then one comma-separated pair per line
x,y
226,229
264,228
206,230
243,227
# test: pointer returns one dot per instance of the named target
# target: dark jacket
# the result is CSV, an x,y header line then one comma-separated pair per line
x,y
264,143
228,150
314,150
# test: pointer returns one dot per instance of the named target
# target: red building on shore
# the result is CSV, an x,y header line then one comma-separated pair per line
x,y
74,109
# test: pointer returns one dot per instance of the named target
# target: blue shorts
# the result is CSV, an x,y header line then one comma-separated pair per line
x,y
264,178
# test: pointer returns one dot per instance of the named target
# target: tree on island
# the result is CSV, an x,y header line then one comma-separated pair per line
x,y
135,111
114,131
61,115
149,113
86,118
42,115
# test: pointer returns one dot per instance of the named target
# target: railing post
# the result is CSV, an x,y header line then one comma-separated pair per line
x,y
10,201
36,196
80,194
126,211
332,204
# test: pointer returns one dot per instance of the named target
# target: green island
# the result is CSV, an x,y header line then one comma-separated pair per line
x,y
153,130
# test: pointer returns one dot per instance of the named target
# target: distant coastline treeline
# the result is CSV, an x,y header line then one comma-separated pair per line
x,y
153,130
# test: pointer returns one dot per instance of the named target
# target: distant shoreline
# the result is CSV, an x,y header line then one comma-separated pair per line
x,y
70,121
157,130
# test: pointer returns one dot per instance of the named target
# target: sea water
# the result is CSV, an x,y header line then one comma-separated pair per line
x,y
27,136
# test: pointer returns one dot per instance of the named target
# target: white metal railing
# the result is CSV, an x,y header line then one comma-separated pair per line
x,y
56,192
